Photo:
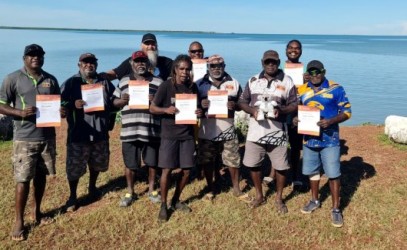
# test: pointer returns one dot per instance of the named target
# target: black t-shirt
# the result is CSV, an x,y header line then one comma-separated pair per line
x,y
164,65
164,98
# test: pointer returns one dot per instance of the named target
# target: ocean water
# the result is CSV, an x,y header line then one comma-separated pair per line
x,y
372,69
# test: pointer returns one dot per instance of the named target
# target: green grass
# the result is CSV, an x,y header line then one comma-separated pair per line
x,y
374,213
384,139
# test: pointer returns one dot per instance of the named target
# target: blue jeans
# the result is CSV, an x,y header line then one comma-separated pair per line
x,y
328,157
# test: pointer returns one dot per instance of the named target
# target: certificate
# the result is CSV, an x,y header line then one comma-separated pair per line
x,y
296,72
307,120
198,68
48,111
218,103
92,94
138,92
186,105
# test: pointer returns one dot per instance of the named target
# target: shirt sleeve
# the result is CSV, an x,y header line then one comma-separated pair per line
x,y
343,102
123,69
7,92
245,97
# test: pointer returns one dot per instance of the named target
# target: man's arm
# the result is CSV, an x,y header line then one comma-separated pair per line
x,y
154,109
10,111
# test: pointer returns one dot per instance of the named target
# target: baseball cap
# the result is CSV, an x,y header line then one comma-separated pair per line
x,y
271,54
87,56
33,48
149,37
315,64
138,54
215,59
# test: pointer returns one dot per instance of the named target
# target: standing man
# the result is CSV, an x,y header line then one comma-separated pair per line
x,y
268,136
88,137
218,135
177,140
335,108
33,148
160,65
140,133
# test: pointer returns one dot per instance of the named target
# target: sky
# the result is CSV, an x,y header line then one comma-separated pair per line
x,y
344,17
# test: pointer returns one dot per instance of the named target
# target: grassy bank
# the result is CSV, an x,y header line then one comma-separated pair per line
x,y
373,200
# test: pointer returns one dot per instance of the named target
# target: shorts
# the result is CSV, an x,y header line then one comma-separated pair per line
x,y
329,158
81,154
209,151
32,157
255,153
176,153
135,150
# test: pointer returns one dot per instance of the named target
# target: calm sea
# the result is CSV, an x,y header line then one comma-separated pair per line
x,y
373,69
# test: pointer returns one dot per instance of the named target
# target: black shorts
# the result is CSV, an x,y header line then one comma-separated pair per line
x,y
176,153
134,151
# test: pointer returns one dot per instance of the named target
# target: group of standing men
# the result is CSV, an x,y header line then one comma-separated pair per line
x,y
153,136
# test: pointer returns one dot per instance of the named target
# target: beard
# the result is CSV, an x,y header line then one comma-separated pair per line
x,y
153,57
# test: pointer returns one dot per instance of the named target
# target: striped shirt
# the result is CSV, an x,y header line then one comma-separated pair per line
x,y
138,124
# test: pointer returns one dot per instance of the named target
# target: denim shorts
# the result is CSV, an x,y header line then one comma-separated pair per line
x,y
328,158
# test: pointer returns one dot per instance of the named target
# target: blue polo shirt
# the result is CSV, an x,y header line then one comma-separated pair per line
x,y
331,99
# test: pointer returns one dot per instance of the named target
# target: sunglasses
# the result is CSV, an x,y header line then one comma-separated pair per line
x,y
315,72
140,60
216,65
194,51
268,61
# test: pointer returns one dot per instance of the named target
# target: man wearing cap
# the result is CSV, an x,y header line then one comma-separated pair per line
x,y
88,138
140,133
269,135
33,147
160,65
218,135
330,98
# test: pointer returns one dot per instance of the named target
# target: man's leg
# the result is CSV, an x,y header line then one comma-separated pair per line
x,y
335,187
280,183
93,176
21,196
152,173
256,174
39,183
209,171
130,174
234,175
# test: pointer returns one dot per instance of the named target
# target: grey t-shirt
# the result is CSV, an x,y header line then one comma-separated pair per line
x,y
20,89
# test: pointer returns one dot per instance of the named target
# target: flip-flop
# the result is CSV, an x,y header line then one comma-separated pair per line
x,y
245,197
45,221
281,207
19,236
208,197
256,203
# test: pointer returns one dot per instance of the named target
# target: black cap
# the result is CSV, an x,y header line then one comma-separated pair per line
x,y
315,64
33,48
87,56
149,37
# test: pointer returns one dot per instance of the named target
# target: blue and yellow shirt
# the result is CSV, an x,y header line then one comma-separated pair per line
x,y
331,99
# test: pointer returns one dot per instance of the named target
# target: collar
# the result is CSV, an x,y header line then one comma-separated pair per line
x,y
207,79
324,85
279,76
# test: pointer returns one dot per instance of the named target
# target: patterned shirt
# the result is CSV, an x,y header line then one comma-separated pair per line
x,y
218,129
282,90
331,99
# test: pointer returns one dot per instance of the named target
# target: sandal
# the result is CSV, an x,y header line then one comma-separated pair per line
x,y
256,203
19,236
245,197
281,207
